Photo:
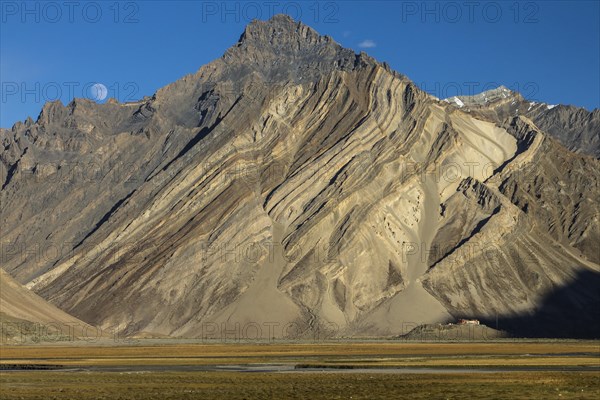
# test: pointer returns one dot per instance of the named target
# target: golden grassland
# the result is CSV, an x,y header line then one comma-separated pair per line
x,y
138,383
382,348
373,353
230,386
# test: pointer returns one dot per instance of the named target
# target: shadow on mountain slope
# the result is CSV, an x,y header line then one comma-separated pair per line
x,y
571,311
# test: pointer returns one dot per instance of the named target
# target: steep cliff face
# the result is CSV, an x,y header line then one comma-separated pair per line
x,y
532,239
289,187
558,192
576,128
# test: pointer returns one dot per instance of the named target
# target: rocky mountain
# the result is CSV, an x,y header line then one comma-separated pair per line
x,y
293,188
576,128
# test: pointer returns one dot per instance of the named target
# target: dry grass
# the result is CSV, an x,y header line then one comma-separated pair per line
x,y
380,349
172,384
218,385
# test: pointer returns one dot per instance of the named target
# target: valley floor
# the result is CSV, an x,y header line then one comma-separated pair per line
x,y
370,370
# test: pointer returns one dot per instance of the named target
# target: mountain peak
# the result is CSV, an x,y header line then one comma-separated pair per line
x,y
487,97
277,19
284,49
281,30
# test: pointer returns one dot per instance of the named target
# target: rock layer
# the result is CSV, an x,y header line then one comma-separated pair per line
x,y
576,128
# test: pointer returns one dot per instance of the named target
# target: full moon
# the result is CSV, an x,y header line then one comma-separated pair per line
x,y
98,92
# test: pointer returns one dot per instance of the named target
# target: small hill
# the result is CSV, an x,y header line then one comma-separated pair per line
x,y
445,332
26,317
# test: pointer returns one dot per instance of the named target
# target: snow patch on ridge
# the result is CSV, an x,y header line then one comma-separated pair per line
x,y
458,101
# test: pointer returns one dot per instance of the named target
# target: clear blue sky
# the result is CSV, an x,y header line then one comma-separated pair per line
x,y
548,50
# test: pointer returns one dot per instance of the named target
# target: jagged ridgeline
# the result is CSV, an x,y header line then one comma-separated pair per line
x,y
292,187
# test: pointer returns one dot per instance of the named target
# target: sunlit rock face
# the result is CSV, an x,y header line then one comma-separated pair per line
x,y
293,188
576,128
